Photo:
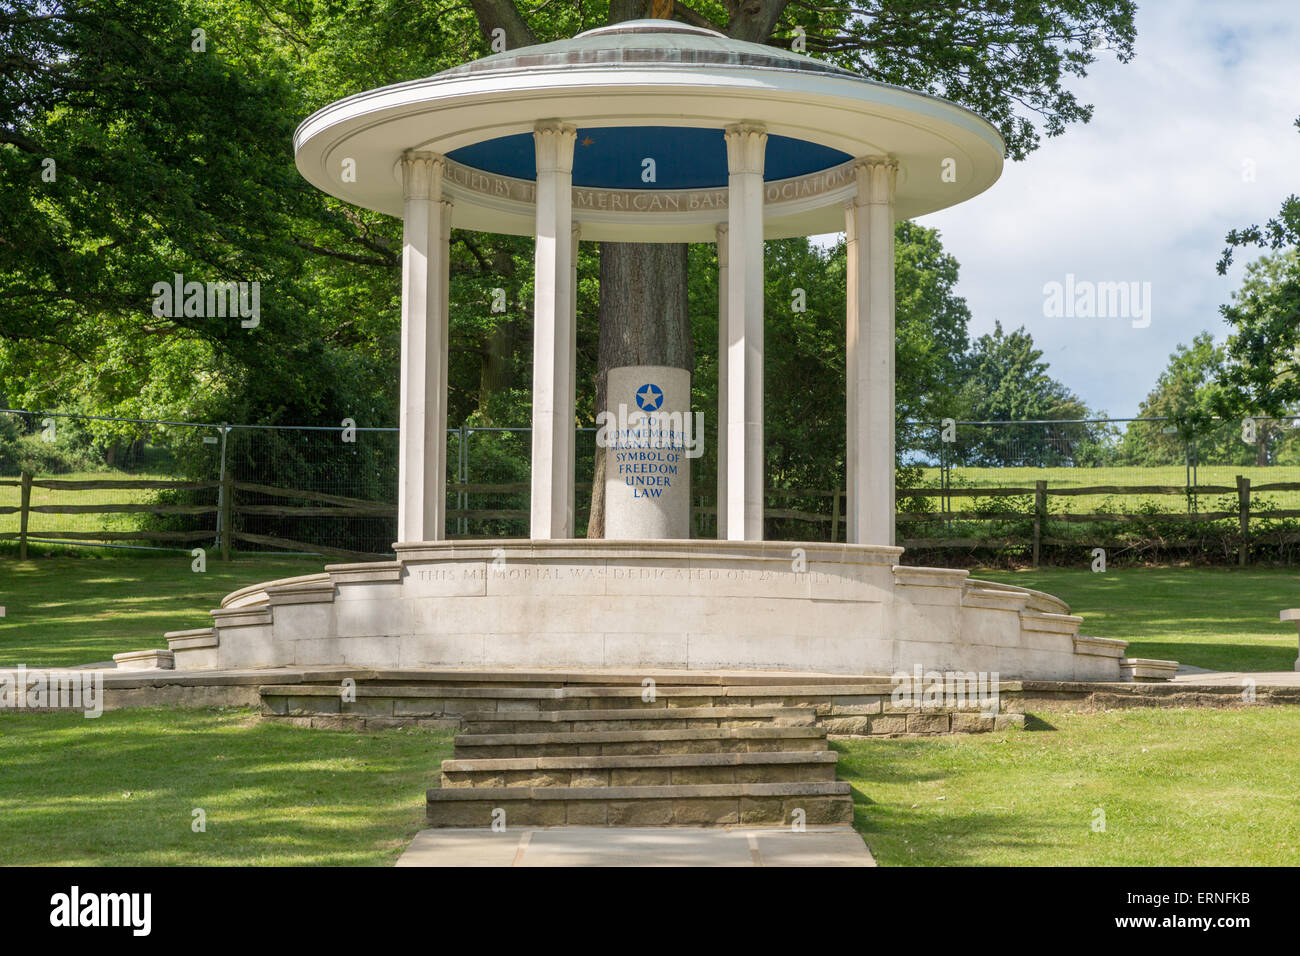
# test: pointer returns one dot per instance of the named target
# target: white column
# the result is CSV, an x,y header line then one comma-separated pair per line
x,y
553,338
722,381
869,354
746,145
422,442
571,390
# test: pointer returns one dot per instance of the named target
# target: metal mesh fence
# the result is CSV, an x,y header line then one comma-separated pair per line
x,y
333,491
305,489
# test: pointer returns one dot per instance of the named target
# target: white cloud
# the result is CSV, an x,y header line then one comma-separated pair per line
x,y
1145,192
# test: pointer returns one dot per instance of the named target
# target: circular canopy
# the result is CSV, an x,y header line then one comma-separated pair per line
x,y
650,100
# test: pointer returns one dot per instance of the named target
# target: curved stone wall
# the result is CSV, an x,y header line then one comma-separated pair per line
x,y
699,604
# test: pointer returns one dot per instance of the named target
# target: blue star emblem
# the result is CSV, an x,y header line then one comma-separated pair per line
x,y
649,398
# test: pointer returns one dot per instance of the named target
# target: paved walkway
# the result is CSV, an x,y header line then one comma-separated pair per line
x,y
639,846
1187,674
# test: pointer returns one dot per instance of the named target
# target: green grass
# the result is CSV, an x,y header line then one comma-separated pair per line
x,y
121,790
1178,788
79,610
1219,618
11,497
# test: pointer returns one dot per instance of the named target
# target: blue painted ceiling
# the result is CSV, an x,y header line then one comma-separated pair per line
x,y
611,157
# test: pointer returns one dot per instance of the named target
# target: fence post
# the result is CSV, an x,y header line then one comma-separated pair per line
x,y
1243,517
835,515
24,505
462,476
227,510
1040,516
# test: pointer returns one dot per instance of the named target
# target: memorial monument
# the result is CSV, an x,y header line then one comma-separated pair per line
x,y
747,143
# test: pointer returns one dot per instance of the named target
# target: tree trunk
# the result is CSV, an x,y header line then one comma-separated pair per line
x,y
497,367
644,320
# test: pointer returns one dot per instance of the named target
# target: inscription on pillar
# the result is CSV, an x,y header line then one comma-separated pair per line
x,y
649,436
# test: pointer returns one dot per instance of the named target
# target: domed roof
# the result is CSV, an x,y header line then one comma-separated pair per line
x,y
647,43
650,100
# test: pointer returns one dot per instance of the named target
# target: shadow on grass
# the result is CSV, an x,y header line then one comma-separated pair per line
x,y
928,832
123,789
1217,657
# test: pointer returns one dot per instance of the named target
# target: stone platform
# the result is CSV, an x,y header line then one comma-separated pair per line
x,y
639,846
691,605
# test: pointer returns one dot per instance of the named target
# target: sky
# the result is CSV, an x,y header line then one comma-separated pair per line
x,y
1193,137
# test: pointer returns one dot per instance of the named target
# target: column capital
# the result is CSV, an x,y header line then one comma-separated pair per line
x,y
422,175
746,143
876,176
554,144
721,232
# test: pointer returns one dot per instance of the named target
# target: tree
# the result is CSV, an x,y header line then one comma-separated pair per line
x,y
1260,373
1008,382
1184,397
1005,60
169,161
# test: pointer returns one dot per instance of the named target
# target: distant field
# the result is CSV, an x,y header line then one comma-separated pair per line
x,y
1222,475
10,497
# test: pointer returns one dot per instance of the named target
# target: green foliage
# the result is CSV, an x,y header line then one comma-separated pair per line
x,y
171,160
1005,59
1007,381
1184,394
1262,356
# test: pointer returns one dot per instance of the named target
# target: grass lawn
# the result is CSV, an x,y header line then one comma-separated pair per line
x,y
78,610
11,497
1178,788
1220,618
121,790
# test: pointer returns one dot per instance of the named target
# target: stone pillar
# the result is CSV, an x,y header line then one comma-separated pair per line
x,y
869,354
746,145
553,337
571,386
647,453
422,442
722,381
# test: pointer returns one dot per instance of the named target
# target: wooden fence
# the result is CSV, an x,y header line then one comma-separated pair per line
x,y
322,505
1042,517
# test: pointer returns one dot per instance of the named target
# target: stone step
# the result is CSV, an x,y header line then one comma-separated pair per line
x,y
645,741
690,805
594,697
628,770
477,722
566,679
